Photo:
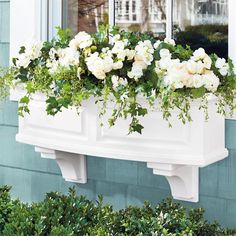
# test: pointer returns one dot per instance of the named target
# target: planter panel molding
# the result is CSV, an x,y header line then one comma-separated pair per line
x,y
176,152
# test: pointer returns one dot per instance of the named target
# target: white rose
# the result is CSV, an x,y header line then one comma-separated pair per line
x,y
82,40
199,54
211,81
207,62
118,47
156,44
130,54
198,81
99,74
200,67
117,65
165,53
169,41
121,55
191,66
164,63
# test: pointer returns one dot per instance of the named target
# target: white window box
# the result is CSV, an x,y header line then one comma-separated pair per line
x,y
176,152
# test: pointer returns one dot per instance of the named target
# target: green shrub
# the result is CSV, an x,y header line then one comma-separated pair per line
x,y
65,215
214,38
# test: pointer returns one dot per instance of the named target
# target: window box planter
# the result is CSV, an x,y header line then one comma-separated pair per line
x,y
176,152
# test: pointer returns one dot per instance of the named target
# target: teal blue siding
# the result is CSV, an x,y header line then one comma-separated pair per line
x,y
121,182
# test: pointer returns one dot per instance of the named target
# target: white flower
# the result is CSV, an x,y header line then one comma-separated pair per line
x,y
98,66
32,52
118,47
200,67
198,81
117,65
116,81
191,66
207,62
130,54
82,40
23,60
121,55
116,38
223,66
165,53
224,71
156,44
220,62
211,81
199,54
68,56
169,41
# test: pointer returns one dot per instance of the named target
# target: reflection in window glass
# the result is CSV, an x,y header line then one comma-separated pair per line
x,y
84,15
141,15
202,23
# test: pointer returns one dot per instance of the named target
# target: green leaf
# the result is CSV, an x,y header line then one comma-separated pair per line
x,y
198,92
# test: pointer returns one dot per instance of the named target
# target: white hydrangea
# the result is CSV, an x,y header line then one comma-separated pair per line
x,y
81,40
165,53
32,52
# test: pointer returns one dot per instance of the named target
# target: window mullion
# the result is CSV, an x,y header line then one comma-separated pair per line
x,y
111,7
169,17
232,30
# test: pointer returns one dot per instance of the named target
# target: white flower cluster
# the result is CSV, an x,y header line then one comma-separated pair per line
x,y
117,81
65,57
99,66
81,40
193,73
223,66
142,59
32,52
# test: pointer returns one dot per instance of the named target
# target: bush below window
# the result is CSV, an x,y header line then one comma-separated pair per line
x,y
71,214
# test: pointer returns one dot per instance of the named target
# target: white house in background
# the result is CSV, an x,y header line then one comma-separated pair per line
x,y
150,14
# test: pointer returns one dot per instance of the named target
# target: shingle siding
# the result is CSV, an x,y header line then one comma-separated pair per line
x,y
121,182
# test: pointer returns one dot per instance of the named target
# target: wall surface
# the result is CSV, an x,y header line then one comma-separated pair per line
x,y
122,183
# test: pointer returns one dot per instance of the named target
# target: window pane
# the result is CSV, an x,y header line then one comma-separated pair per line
x,y
202,23
84,15
141,15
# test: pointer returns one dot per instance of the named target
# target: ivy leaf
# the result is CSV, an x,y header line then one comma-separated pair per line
x,y
142,111
198,92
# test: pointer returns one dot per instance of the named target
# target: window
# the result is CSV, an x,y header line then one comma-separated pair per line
x,y
202,23
136,15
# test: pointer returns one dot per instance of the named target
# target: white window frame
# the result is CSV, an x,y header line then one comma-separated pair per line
x,y
30,18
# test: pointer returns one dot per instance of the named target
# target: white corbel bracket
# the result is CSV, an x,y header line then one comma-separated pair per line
x,y
72,166
183,180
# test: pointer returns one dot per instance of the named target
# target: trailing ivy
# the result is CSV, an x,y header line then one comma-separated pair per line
x,y
123,69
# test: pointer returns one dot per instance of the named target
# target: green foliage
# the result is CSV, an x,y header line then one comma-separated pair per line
x,y
73,215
